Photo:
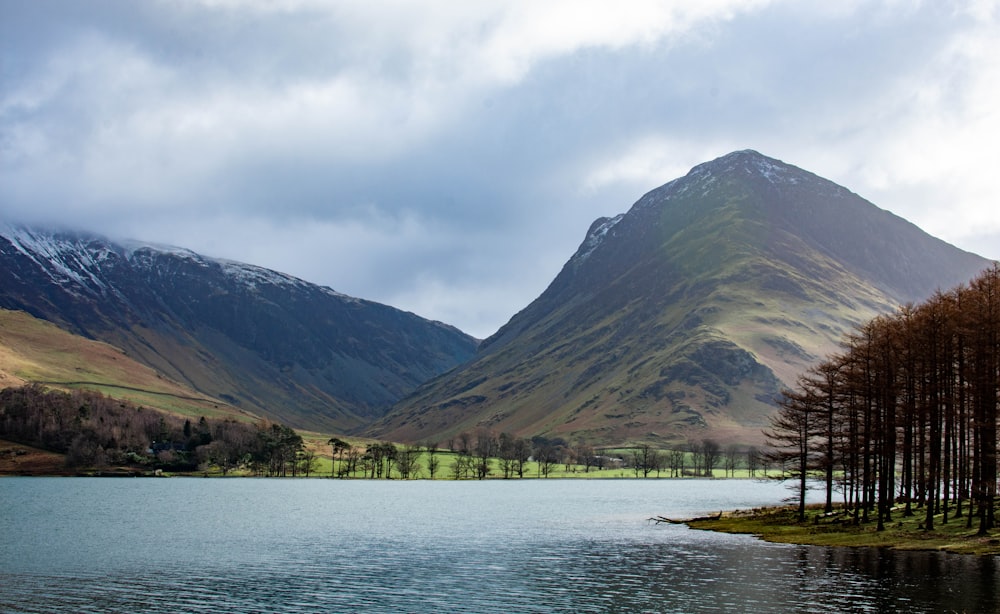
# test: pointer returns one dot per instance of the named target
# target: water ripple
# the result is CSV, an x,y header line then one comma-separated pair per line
x,y
261,547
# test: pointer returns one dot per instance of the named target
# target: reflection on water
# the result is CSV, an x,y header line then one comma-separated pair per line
x,y
892,581
298,546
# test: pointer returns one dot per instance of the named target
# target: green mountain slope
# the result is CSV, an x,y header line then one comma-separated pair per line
x,y
36,351
685,316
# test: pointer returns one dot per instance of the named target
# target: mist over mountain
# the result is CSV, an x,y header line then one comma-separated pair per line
x,y
684,316
263,341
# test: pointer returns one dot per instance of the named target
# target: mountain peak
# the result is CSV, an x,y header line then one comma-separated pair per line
x,y
742,166
686,315
745,155
751,163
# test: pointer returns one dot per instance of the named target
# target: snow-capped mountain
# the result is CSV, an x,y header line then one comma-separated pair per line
x,y
265,341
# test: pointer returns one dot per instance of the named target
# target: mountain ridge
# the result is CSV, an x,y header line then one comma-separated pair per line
x,y
261,340
686,314
769,169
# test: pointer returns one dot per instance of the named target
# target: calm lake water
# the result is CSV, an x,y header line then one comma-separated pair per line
x,y
259,545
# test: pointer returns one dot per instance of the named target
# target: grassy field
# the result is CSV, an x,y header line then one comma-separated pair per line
x,y
447,459
780,525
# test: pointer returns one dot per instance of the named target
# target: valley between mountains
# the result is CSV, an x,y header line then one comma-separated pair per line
x,y
681,318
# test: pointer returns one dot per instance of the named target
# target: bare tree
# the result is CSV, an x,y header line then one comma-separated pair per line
x,y
585,456
406,461
569,460
636,462
464,443
729,463
753,460
506,455
695,448
522,452
485,449
547,453
433,462
675,461
308,462
790,438
462,466
645,460
711,451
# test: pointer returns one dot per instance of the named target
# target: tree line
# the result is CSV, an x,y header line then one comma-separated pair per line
x,y
485,454
904,418
473,457
94,430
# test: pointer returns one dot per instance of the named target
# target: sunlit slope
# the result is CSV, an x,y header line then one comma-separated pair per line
x,y
35,351
684,317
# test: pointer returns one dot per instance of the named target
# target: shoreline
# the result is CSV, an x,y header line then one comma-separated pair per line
x,y
779,525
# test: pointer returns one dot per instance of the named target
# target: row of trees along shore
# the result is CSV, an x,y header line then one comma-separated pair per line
x,y
904,418
99,432
485,454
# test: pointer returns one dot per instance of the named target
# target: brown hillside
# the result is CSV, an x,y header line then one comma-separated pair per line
x,y
32,350
19,459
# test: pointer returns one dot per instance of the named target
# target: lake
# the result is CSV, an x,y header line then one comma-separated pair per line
x,y
320,545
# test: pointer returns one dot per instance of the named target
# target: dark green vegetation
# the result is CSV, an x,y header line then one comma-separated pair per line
x,y
96,432
264,342
686,316
903,422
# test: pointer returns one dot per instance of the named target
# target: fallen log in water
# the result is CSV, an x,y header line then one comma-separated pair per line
x,y
664,519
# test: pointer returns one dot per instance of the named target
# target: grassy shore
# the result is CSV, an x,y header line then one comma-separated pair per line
x,y
779,525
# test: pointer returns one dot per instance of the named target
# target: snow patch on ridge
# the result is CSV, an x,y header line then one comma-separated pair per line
x,y
76,262
751,163
597,234
66,259
773,172
131,247
249,275
252,276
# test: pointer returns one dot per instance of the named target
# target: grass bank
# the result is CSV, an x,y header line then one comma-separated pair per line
x,y
780,525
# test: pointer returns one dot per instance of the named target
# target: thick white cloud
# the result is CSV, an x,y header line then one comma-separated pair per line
x,y
447,157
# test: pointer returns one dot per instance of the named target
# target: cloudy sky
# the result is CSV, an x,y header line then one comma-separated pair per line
x,y
447,157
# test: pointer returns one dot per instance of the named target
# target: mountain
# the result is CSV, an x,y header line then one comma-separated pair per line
x,y
265,342
36,351
683,317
